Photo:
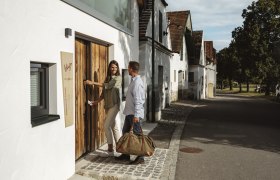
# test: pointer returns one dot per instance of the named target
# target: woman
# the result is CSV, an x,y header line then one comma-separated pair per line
x,y
111,96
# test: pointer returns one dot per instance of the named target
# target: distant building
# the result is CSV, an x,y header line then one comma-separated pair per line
x,y
197,67
211,69
180,27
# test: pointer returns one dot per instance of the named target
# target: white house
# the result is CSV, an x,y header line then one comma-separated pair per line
x,y
160,60
197,68
180,26
48,48
211,69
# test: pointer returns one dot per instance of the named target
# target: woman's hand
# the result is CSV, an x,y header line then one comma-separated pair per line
x,y
88,82
93,103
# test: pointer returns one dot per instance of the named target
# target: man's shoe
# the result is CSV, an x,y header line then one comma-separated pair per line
x,y
138,160
123,157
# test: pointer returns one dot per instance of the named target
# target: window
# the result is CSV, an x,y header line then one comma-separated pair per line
x,y
182,53
117,13
125,82
191,76
174,75
160,27
39,94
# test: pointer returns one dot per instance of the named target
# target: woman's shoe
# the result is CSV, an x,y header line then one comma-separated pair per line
x,y
107,154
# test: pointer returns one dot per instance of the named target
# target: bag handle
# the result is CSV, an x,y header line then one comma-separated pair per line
x,y
131,128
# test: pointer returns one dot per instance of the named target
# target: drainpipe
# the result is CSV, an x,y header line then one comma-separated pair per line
x,y
153,61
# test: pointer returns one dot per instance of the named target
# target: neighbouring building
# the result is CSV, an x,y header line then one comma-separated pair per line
x,y
211,69
180,26
48,49
161,58
197,67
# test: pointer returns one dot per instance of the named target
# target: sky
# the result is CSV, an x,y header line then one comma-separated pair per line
x,y
217,18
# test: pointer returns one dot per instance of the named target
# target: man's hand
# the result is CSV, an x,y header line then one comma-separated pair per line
x,y
135,119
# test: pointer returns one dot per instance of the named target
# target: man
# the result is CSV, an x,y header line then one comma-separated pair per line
x,y
134,107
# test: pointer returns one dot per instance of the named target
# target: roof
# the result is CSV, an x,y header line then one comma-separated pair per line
x,y
164,3
144,18
177,24
197,39
208,46
210,51
145,14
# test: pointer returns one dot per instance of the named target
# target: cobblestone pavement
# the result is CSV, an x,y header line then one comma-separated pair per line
x,y
162,165
109,168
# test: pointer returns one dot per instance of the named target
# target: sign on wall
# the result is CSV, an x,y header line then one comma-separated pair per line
x,y
67,80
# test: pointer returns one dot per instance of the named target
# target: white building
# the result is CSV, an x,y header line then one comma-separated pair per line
x,y
162,56
211,69
45,122
180,26
197,71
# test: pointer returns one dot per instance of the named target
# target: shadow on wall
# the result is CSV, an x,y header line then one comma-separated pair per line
x,y
157,103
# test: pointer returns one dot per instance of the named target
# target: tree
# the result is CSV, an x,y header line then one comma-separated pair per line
x,y
254,41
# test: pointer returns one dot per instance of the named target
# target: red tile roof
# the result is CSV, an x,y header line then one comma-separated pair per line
x,y
210,52
197,39
177,24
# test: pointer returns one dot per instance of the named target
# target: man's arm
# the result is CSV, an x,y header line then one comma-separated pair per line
x,y
139,99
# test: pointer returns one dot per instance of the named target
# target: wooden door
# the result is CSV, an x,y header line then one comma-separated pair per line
x,y
99,56
160,86
210,90
91,61
80,97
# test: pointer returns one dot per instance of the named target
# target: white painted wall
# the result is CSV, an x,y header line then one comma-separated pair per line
x,y
211,75
162,58
176,64
198,87
33,30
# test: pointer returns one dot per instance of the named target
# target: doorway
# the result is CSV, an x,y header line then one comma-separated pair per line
x,y
160,87
91,61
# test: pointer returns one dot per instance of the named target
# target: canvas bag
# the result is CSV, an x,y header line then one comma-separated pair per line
x,y
133,144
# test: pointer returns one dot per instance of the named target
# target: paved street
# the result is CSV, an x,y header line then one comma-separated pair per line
x,y
228,137
231,137
162,165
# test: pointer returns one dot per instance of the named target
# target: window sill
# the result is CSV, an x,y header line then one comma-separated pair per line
x,y
44,119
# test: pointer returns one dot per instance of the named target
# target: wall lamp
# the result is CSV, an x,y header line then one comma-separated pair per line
x,y
68,32
165,33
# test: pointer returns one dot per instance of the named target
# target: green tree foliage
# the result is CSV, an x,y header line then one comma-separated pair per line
x,y
264,17
253,43
227,66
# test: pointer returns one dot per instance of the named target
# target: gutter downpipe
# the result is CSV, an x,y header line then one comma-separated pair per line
x,y
153,61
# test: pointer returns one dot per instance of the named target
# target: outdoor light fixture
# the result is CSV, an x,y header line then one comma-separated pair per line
x,y
165,33
68,32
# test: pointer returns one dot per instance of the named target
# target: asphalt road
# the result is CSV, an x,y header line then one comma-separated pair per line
x,y
231,137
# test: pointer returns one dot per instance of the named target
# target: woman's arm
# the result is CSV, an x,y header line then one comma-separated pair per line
x,y
114,83
98,100
88,82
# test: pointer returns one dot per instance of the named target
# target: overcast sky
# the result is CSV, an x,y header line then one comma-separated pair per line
x,y
217,18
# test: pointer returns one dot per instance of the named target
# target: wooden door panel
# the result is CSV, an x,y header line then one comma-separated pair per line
x,y
99,57
80,97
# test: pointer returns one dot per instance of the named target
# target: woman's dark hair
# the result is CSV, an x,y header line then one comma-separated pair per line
x,y
109,76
